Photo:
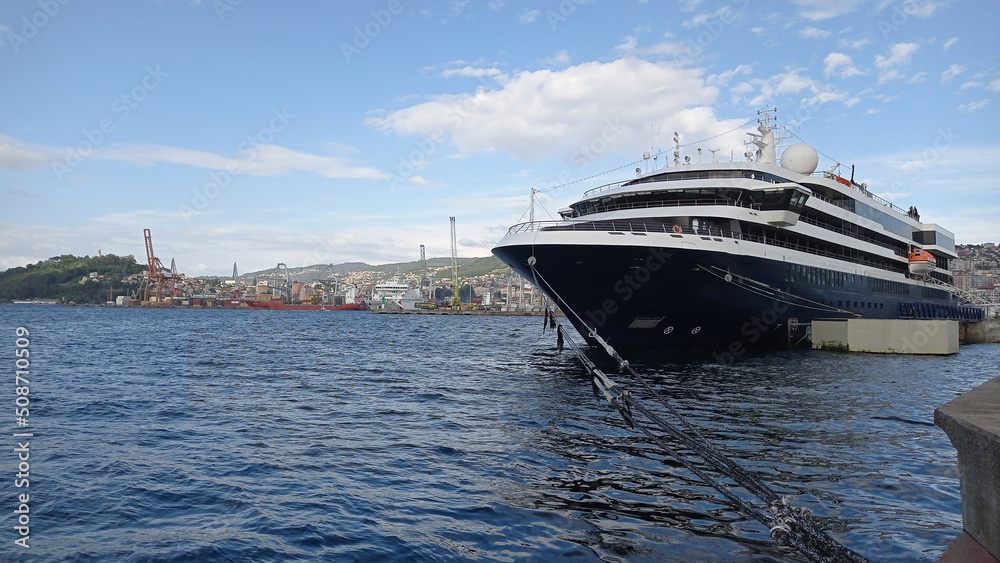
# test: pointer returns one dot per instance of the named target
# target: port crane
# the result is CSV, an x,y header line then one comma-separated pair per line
x,y
236,283
455,301
330,279
158,278
425,277
288,280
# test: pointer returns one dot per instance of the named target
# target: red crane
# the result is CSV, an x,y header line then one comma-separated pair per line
x,y
157,279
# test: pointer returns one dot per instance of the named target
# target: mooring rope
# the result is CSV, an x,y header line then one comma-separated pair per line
x,y
786,524
771,292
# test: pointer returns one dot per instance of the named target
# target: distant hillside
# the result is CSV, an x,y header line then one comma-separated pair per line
x,y
59,278
466,267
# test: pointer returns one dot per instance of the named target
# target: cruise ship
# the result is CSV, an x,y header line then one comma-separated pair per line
x,y
736,254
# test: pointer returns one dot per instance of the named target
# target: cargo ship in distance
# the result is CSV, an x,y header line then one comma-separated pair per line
x,y
358,306
737,254
349,301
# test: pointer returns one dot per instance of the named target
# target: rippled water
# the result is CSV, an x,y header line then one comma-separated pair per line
x,y
241,435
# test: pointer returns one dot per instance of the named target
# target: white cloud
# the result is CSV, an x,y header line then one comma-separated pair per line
x,y
722,14
553,113
947,44
856,44
912,8
817,10
941,179
814,33
723,78
561,58
527,16
261,160
476,72
995,85
952,71
973,106
969,84
840,64
790,83
630,47
899,55
924,8
17,155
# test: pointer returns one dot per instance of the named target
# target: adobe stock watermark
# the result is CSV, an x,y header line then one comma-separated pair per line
x,y
419,158
224,7
122,106
752,330
32,26
365,34
590,152
713,28
626,288
943,142
563,11
923,331
249,150
899,14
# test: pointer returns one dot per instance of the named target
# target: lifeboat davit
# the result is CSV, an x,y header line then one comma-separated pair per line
x,y
921,262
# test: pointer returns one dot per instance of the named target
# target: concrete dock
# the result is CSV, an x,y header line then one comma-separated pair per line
x,y
983,331
902,336
886,336
972,423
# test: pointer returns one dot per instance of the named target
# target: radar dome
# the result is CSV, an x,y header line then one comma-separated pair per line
x,y
801,158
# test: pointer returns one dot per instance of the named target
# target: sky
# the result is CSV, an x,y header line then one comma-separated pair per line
x,y
325,132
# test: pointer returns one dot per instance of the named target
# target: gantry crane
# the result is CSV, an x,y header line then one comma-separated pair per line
x,y
455,301
288,280
157,279
236,283
425,277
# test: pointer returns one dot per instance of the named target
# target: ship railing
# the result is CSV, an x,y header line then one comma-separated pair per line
x,y
967,295
703,232
627,226
864,190
667,203
604,188
898,251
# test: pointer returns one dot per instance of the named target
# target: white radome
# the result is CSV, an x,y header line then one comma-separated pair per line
x,y
801,158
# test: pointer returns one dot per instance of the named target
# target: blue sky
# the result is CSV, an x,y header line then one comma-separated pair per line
x,y
323,132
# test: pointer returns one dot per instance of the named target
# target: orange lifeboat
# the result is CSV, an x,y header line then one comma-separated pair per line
x,y
921,262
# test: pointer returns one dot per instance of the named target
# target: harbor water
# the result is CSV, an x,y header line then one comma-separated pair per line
x,y
255,435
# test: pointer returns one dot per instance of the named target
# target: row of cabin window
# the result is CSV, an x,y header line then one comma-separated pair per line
x,y
816,276
864,304
887,286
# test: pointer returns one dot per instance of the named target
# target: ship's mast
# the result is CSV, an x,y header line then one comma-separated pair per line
x,y
764,140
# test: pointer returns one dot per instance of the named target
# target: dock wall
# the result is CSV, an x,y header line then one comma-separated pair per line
x,y
972,423
886,336
985,331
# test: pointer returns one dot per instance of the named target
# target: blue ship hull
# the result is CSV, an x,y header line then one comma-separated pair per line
x,y
669,297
